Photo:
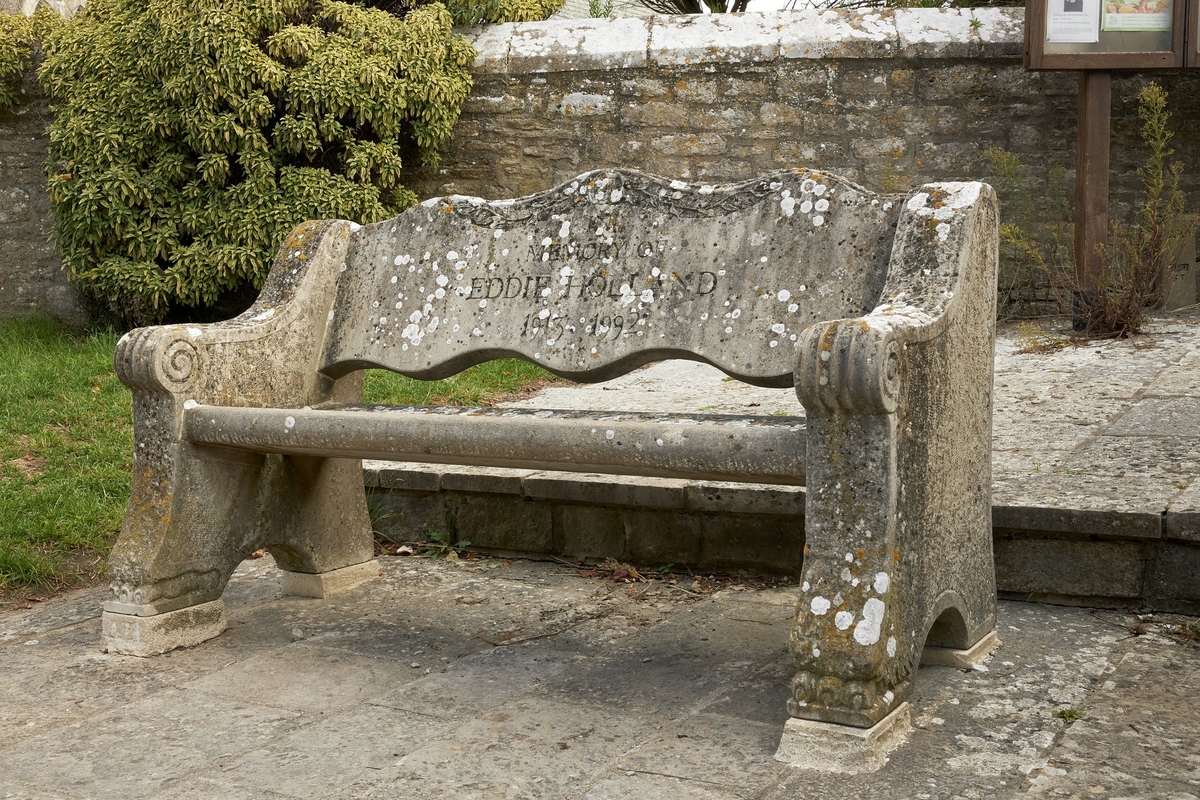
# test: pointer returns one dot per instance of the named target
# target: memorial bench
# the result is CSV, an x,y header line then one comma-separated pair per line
x,y
879,309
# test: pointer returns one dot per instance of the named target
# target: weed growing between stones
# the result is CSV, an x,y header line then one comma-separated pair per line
x,y
1037,237
442,544
1141,250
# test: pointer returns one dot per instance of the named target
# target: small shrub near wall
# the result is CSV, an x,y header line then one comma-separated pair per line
x,y
191,135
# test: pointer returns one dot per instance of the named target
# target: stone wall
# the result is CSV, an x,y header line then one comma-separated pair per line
x,y
890,99
31,278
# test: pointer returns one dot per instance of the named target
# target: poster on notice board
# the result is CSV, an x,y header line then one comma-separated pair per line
x,y
1137,15
1074,21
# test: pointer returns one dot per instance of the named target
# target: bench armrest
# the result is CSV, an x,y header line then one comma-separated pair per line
x,y
944,243
265,356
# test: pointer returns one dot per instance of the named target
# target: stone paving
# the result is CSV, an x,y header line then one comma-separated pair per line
x,y
487,679
494,679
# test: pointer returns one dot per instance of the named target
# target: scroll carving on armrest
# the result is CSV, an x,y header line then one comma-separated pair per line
x,y
848,366
158,359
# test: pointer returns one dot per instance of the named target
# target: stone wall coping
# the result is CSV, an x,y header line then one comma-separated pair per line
x,y
753,37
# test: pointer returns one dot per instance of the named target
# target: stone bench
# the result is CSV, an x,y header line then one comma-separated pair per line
x,y
878,309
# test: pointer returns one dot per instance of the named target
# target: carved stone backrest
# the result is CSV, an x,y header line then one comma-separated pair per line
x,y
610,271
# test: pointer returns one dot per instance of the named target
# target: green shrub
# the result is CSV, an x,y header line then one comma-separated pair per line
x,y
191,135
477,12
19,38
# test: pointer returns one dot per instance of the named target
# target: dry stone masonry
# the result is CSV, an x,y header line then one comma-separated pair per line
x,y
878,308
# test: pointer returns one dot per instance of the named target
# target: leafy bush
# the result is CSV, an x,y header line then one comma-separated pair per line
x,y
191,135
477,12
19,38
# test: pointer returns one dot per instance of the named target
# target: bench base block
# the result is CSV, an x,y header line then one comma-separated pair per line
x,y
130,635
962,659
829,747
323,584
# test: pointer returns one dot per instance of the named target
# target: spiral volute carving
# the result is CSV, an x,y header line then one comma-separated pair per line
x,y
157,359
850,367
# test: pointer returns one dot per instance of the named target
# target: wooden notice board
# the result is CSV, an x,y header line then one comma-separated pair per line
x,y
1111,34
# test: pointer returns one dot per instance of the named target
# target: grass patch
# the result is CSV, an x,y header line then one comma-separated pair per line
x,y
66,443
481,385
65,451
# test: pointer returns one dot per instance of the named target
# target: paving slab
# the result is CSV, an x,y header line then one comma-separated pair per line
x,y
667,695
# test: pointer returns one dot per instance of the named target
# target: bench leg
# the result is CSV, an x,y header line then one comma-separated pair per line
x,y
893,561
194,514
854,658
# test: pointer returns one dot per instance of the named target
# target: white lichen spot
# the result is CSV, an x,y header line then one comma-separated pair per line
x,y
891,647
545,312
804,586
496,234
845,573
483,303
866,632
194,333
289,422
816,652
779,328
843,620
882,582
819,606
189,404
658,442
609,434
615,196
806,207
849,556
788,206
565,229
647,296
821,205
818,221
